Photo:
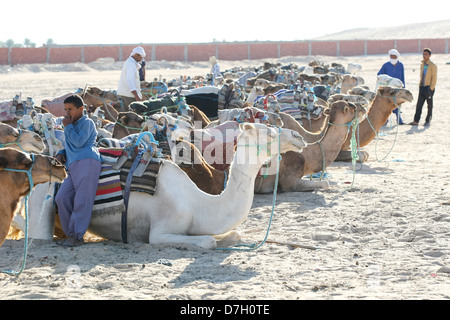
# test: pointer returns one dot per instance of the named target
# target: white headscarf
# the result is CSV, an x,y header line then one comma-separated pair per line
x,y
138,50
394,52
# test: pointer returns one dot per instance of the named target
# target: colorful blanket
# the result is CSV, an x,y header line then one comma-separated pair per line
x,y
109,196
145,183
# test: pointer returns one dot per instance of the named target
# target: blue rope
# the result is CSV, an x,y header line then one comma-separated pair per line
x,y
250,247
17,142
25,251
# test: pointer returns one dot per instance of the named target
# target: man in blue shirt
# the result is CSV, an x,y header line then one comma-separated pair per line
x,y
76,196
394,69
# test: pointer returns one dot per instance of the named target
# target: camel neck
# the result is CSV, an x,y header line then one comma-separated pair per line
x,y
322,153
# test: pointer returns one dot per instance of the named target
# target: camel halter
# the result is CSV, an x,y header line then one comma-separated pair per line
x,y
394,98
354,124
17,142
250,247
25,251
101,97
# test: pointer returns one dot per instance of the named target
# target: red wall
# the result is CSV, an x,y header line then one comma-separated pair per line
x,y
93,53
436,45
4,56
224,51
380,46
294,49
200,52
404,46
28,55
232,51
65,55
324,48
170,52
351,48
263,50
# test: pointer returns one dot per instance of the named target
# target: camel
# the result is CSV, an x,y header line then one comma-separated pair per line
x,y
272,103
127,123
152,89
350,81
199,116
246,114
207,178
20,139
363,91
315,157
92,96
386,100
16,185
194,217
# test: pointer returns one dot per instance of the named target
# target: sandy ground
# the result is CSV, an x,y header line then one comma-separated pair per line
x,y
387,237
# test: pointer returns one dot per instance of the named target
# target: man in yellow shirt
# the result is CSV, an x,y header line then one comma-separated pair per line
x,y
428,77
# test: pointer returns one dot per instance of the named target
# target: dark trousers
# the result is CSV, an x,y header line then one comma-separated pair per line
x,y
425,94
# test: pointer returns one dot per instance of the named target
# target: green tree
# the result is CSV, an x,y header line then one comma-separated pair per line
x,y
50,42
28,44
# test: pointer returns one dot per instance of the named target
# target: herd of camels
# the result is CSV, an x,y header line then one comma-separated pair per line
x,y
209,172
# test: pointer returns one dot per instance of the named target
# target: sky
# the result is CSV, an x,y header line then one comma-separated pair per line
x,y
200,21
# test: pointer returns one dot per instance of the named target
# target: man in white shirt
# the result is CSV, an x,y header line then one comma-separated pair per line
x,y
129,89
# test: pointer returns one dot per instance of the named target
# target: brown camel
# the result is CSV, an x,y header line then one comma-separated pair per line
x,y
386,100
16,185
199,116
350,81
207,178
314,158
127,123
21,140
92,96
289,122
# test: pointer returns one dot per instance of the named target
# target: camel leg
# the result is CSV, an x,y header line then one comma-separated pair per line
x,y
311,185
206,242
232,236
346,155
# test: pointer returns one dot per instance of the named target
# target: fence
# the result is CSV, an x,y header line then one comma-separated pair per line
x,y
223,51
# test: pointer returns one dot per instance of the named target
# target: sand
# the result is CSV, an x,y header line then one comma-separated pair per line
x,y
386,236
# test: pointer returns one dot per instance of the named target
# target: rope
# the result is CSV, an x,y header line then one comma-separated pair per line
x,y
101,98
378,137
251,247
17,142
353,142
25,251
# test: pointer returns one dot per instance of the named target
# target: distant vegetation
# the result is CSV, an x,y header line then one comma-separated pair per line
x,y
26,44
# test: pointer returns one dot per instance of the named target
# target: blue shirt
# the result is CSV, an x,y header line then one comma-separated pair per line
x,y
80,138
397,71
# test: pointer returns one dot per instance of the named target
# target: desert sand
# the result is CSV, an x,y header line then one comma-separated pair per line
x,y
382,231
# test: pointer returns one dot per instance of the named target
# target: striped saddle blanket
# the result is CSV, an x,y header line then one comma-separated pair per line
x,y
109,197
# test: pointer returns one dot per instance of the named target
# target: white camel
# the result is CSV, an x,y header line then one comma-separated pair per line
x,y
180,213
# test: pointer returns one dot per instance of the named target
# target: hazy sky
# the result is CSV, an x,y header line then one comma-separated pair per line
x,y
182,21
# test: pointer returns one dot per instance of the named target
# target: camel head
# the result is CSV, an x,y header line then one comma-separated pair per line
x,y
343,112
127,123
21,140
398,95
44,168
270,141
96,97
362,91
355,99
352,80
